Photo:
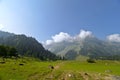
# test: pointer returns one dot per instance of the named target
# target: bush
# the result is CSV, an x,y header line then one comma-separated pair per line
x,y
90,61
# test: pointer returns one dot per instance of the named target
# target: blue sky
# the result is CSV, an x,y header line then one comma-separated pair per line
x,y
45,18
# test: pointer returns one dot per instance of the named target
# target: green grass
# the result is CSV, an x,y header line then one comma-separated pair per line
x,y
34,69
11,70
99,66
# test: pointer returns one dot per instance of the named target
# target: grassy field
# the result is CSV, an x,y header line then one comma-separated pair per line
x,y
32,69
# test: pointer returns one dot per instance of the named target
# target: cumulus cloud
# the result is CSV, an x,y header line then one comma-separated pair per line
x,y
1,26
114,38
59,38
48,42
83,34
62,36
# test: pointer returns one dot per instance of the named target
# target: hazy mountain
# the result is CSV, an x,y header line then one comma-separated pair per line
x,y
5,34
89,47
26,46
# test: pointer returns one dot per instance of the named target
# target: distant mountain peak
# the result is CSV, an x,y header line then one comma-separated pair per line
x,y
62,36
88,46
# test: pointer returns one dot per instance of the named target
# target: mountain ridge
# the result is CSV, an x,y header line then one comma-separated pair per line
x,y
90,47
26,46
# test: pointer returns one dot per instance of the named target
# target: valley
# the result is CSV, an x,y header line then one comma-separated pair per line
x,y
59,40
24,58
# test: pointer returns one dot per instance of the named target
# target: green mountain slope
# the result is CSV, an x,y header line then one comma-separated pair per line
x,y
26,46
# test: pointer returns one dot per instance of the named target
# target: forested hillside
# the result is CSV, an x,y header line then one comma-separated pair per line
x,y
26,46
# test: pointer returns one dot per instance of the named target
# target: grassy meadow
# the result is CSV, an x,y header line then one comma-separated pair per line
x,y
33,69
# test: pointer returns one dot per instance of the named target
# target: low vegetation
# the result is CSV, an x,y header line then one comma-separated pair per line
x,y
90,60
34,69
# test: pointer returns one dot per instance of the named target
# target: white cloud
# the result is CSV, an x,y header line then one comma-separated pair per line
x,y
59,38
48,42
62,36
83,34
114,38
1,26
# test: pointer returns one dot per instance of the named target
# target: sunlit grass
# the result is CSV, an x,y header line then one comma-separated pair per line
x,y
99,66
33,69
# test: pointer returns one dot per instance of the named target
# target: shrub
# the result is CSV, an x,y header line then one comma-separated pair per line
x,y
90,61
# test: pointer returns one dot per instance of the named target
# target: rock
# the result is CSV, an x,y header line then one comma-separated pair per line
x,y
21,64
69,75
108,71
86,73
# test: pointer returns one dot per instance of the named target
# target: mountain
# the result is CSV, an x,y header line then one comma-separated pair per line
x,y
26,46
89,47
5,34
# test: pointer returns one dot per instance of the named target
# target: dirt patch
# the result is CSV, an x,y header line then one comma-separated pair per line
x,y
57,67
111,77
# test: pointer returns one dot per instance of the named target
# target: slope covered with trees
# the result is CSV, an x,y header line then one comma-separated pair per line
x,y
7,51
26,46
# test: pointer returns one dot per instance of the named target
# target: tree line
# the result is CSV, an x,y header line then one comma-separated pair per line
x,y
8,52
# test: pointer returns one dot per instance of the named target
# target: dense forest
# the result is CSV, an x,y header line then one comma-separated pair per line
x,y
8,52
